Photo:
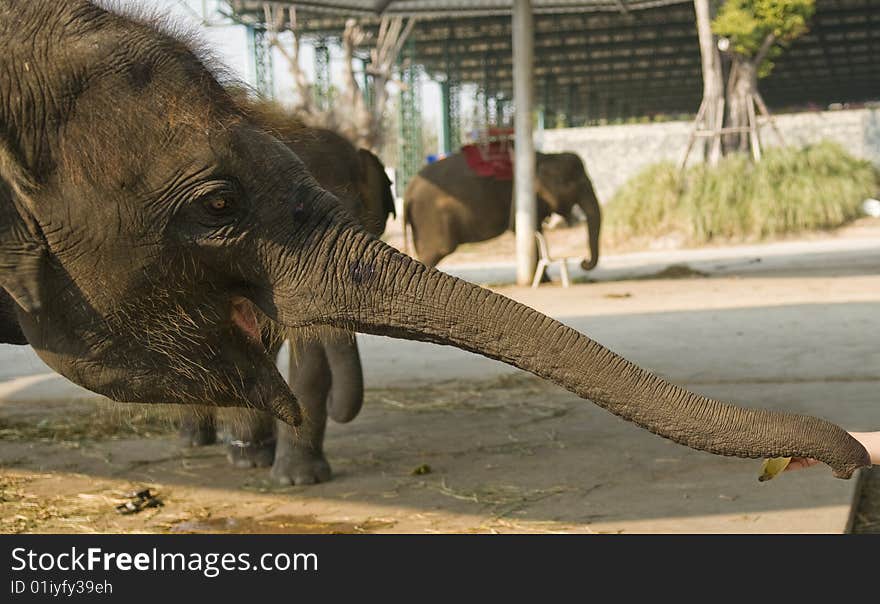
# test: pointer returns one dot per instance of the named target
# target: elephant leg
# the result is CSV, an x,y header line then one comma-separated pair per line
x,y
436,250
299,454
434,239
250,437
197,427
249,433
432,259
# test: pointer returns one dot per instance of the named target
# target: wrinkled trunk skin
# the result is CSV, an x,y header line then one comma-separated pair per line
x,y
356,282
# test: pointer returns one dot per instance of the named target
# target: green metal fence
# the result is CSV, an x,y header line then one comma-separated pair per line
x,y
410,152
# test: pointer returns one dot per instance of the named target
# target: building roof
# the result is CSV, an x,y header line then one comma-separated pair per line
x,y
608,58
459,8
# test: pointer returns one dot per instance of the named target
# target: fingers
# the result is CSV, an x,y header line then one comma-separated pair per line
x,y
798,463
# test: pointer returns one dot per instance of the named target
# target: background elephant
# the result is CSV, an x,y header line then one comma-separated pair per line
x,y
355,176
448,204
324,368
151,218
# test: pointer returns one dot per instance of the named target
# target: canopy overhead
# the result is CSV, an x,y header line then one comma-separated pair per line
x,y
591,60
445,8
610,59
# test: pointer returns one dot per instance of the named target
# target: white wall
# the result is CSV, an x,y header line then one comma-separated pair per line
x,y
613,154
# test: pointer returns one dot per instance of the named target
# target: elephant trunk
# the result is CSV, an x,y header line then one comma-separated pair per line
x,y
347,377
361,284
590,206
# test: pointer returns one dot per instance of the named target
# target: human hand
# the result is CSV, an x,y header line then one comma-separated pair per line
x,y
797,463
869,440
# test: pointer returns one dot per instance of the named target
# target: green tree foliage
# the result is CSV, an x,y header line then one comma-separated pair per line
x,y
759,27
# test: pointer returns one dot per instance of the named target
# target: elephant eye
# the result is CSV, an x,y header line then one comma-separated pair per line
x,y
218,210
217,204
218,200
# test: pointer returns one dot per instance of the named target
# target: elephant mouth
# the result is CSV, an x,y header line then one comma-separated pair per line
x,y
244,315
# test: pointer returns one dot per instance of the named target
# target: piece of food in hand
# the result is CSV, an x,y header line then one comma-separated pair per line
x,y
772,467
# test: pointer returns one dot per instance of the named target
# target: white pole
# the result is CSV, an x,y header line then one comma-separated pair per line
x,y
524,161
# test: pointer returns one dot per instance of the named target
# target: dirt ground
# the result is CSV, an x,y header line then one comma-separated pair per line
x,y
476,448
67,467
510,454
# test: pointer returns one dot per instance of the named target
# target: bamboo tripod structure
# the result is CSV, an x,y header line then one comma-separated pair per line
x,y
704,129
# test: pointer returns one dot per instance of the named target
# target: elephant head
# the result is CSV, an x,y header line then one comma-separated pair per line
x,y
355,176
562,184
151,217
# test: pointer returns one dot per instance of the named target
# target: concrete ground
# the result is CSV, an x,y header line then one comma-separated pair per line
x,y
452,442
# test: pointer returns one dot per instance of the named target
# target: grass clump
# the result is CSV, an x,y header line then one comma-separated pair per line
x,y
791,190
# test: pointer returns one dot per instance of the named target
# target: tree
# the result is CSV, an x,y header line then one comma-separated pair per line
x,y
352,116
755,32
710,116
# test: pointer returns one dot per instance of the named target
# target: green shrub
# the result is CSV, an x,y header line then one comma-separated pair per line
x,y
789,191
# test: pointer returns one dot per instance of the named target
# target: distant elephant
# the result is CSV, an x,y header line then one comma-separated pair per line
x,y
146,219
355,176
325,367
448,204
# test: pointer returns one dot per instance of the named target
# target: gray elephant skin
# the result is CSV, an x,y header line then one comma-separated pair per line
x,y
146,218
448,204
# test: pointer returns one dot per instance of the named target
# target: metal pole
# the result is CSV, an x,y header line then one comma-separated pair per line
x,y
446,129
261,61
321,88
409,120
524,162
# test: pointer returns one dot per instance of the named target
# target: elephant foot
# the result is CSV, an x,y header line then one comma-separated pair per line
x,y
246,455
301,467
198,432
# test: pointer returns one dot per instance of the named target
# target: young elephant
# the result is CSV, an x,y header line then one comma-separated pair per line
x,y
448,203
325,369
148,217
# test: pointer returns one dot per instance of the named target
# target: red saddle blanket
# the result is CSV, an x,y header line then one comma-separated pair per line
x,y
491,159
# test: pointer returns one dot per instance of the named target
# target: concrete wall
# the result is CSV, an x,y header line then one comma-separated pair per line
x,y
613,154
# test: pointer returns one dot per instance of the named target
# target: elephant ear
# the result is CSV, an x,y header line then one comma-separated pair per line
x,y
373,178
22,251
